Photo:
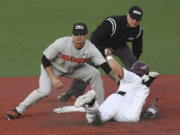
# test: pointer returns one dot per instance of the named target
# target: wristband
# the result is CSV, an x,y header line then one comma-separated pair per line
x,y
109,58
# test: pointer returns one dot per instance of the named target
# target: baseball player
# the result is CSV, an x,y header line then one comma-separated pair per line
x,y
67,56
115,32
126,104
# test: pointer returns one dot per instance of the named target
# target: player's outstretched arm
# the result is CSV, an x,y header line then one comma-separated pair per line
x,y
115,66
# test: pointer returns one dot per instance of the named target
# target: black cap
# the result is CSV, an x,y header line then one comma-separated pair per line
x,y
80,29
136,13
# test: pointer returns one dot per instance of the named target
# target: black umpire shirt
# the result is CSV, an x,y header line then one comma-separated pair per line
x,y
114,32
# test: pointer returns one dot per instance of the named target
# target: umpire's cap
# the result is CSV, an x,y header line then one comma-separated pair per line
x,y
80,29
136,13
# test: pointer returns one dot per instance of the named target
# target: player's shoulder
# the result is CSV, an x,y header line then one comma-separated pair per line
x,y
63,39
89,44
116,21
116,18
131,76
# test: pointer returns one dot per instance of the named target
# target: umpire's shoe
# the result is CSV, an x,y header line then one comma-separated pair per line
x,y
85,99
64,97
13,114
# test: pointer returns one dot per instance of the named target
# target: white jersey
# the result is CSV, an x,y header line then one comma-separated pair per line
x,y
130,81
65,57
123,108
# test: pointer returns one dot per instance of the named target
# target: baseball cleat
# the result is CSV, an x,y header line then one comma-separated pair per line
x,y
84,99
152,111
64,96
13,114
149,115
97,120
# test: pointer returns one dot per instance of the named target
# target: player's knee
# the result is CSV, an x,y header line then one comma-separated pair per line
x,y
43,93
95,74
106,116
132,118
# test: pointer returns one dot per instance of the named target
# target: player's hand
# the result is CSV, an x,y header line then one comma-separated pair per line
x,y
153,74
58,84
148,79
145,78
108,52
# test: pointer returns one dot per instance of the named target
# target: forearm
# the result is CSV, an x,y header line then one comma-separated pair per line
x,y
115,66
48,67
106,68
50,72
114,76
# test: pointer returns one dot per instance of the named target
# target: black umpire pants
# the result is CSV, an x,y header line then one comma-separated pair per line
x,y
124,54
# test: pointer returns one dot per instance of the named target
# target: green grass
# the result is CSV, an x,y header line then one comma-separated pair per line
x,y
28,27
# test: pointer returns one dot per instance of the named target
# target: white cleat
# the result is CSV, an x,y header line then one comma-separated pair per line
x,y
84,99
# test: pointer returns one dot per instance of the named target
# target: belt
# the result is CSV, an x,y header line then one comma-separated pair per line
x,y
122,93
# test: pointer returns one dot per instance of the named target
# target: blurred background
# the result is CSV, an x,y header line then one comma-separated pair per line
x,y
27,27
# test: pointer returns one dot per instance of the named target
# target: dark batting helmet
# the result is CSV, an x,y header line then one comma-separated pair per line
x,y
140,68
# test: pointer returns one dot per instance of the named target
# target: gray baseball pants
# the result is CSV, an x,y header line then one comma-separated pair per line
x,y
87,73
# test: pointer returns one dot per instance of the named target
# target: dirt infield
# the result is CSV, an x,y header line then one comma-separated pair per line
x,y
40,119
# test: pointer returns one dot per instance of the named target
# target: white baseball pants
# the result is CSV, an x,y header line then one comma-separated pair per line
x,y
120,108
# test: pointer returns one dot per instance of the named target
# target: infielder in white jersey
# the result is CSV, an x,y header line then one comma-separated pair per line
x,y
67,57
126,104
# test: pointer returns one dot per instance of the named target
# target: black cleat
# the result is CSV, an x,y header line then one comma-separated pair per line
x,y
97,120
64,97
13,114
152,111
149,114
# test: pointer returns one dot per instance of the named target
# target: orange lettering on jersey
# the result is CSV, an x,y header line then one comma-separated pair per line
x,y
74,59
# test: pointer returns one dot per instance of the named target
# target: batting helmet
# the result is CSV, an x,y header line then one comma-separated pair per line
x,y
140,68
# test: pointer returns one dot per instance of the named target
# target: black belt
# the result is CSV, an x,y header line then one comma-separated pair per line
x,y
122,93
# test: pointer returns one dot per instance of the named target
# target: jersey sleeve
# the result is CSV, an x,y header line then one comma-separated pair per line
x,y
53,50
130,77
96,56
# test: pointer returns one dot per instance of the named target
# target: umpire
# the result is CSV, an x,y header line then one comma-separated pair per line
x,y
115,32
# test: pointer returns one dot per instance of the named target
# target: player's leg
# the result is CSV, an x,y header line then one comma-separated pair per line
x,y
110,106
92,76
77,88
106,111
88,101
135,109
126,56
45,86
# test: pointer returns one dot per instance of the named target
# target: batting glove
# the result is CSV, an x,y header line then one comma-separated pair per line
x,y
145,78
148,79
153,74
